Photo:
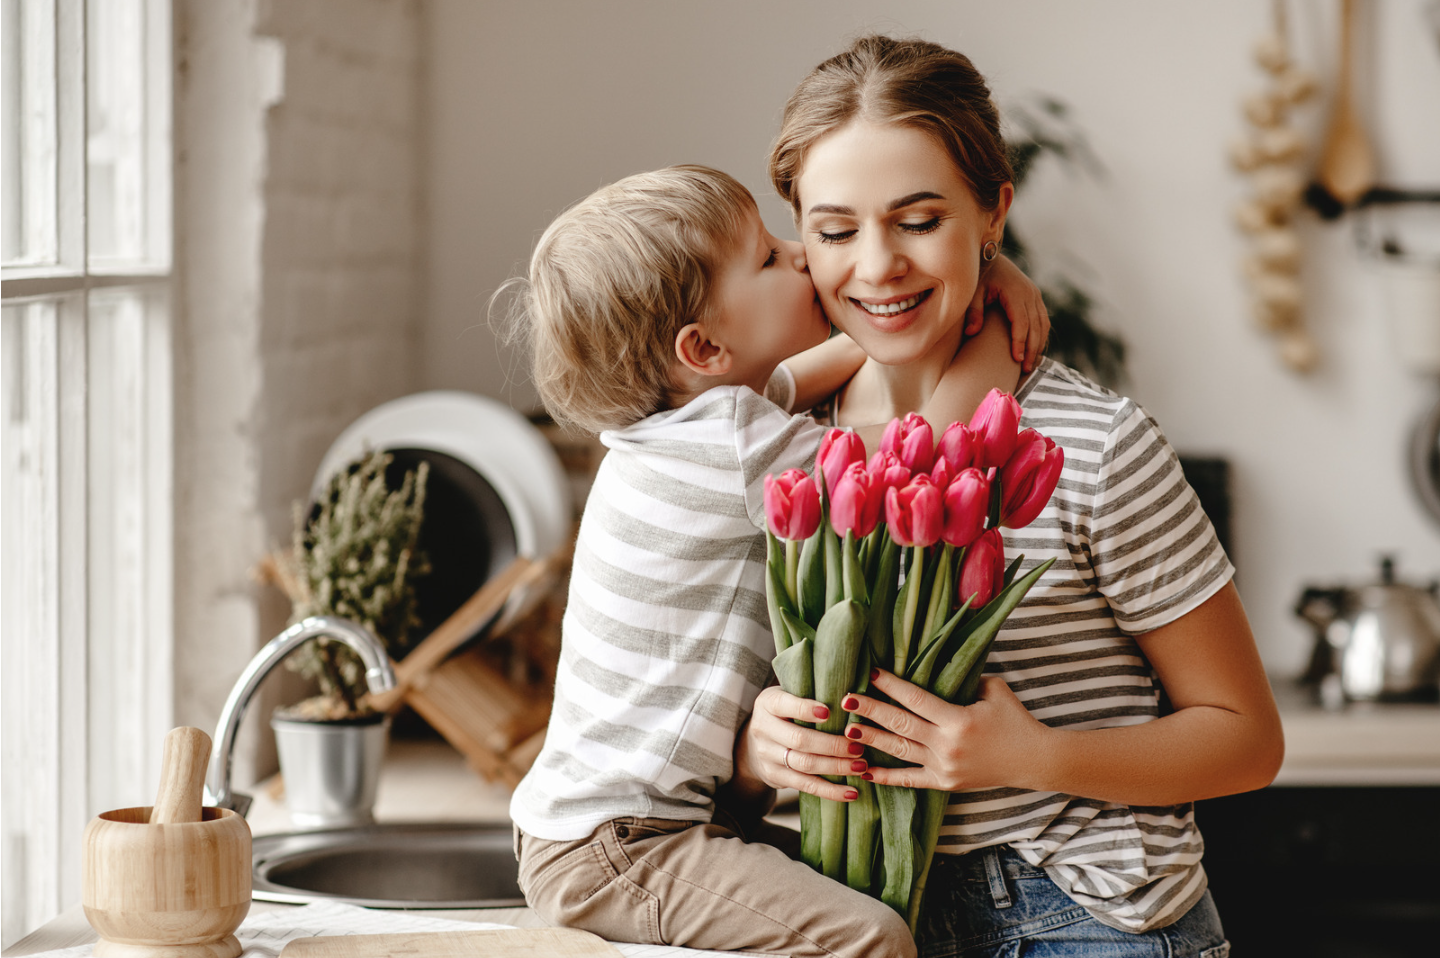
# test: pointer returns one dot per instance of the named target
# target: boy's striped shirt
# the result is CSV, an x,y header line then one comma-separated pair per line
x,y
666,633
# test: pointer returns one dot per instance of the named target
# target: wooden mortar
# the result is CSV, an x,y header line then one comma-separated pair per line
x,y
173,879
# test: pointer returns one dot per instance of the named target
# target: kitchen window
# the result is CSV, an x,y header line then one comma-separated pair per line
x,y
85,541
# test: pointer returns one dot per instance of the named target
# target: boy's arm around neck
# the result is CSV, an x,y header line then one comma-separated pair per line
x,y
822,370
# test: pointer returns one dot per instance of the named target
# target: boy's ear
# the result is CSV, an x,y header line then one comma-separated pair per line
x,y
700,352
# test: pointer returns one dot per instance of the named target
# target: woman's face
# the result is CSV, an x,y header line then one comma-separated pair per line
x,y
893,237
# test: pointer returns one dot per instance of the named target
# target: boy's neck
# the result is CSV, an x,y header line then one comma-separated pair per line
x,y
689,385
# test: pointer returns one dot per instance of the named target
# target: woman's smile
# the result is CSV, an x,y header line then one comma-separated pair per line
x,y
893,307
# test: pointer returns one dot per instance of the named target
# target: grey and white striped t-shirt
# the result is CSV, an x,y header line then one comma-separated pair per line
x,y
666,638
1134,551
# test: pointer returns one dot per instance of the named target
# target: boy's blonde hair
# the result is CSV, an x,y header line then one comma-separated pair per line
x,y
614,279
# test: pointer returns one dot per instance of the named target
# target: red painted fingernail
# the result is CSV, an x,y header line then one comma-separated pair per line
x,y
874,674
856,748
868,777
822,711
859,766
851,795
853,731
850,703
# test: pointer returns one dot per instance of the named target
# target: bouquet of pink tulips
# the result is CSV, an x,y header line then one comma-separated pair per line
x,y
898,562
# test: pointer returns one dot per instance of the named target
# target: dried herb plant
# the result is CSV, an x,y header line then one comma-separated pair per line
x,y
356,556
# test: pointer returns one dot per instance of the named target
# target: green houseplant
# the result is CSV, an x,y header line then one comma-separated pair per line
x,y
355,555
1039,129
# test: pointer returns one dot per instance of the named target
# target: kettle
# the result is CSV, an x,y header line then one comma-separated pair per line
x,y
1381,641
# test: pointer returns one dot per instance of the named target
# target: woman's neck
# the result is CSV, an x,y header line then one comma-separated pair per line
x,y
879,393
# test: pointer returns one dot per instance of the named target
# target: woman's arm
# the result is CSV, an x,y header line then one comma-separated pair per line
x,y
1224,735
821,370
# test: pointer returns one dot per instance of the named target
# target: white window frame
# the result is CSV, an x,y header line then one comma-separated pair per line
x,y
87,654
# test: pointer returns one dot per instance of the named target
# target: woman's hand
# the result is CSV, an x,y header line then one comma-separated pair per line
x,y
985,745
1004,283
773,749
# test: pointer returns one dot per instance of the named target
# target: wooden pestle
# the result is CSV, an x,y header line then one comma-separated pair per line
x,y
182,777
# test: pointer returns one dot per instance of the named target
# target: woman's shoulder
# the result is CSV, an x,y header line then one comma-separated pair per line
x,y
1055,393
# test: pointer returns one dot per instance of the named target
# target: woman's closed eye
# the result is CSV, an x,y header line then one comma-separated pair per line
x,y
928,226
914,229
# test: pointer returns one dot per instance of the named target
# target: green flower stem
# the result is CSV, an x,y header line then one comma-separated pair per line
x,y
834,568
906,608
930,814
832,836
882,604
862,829
792,571
810,829
897,841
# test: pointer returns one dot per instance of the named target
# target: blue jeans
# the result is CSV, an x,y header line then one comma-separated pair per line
x,y
994,904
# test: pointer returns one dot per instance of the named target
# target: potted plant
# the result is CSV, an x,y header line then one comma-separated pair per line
x,y
1040,128
354,555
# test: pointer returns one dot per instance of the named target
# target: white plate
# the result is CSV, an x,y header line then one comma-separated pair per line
x,y
488,436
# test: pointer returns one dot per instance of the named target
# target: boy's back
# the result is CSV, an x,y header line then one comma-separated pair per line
x,y
666,635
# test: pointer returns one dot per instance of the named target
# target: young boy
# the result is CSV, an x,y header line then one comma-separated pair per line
x,y
659,310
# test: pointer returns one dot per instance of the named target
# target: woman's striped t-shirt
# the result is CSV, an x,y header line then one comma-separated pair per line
x,y
1133,551
666,635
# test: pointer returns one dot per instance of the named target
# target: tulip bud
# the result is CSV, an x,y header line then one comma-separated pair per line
x,y
915,513
911,440
967,504
942,473
856,502
1029,478
956,447
983,571
887,470
993,427
838,449
792,505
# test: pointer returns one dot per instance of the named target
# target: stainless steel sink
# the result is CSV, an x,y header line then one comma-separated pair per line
x,y
441,865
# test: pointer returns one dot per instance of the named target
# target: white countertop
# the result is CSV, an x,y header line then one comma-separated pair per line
x,y
1361,744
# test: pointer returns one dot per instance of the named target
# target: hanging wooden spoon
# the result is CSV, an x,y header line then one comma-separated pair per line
x,y
1347,164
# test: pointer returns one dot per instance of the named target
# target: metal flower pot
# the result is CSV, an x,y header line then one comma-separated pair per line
x,y
331,768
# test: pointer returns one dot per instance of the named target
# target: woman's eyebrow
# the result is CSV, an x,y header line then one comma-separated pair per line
x,y
892,207
913,198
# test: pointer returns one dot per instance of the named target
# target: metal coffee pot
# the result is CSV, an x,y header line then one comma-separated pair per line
x,y
1377,642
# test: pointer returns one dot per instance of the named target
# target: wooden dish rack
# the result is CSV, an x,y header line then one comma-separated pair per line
x,y
463,696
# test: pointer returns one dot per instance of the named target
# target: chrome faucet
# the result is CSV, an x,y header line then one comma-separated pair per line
x,y
379,675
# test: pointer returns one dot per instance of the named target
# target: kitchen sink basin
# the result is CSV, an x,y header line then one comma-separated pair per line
x,y
399,865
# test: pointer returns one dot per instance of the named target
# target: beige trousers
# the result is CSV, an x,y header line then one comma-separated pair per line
x,y
655,881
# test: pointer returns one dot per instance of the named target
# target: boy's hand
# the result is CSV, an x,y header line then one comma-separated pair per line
x,y
1003,282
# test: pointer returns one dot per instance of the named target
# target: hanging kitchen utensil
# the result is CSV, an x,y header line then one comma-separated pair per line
x,y
1347,162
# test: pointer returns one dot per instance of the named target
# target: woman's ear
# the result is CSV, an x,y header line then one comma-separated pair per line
x,y
702,354
995,228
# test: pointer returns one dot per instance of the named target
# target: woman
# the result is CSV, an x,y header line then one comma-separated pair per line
x,y
1071,822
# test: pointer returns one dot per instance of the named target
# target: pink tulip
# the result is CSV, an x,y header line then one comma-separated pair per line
x,y
956,447
993,427
967,503
887,470
915,513
792,504
911,440
942,473
1029,478
856,502
838,449
983,571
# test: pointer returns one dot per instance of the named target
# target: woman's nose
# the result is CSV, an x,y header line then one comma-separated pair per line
x,y
877,262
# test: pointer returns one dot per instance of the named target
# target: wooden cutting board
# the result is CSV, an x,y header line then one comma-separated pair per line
x,y
495,943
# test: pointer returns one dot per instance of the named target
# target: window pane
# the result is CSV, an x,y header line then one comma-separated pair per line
x,y
115,122
29,143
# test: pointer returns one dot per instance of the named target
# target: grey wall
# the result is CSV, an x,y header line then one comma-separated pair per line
x,y
531,105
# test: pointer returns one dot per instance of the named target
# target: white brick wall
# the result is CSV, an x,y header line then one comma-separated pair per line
x,y
299,214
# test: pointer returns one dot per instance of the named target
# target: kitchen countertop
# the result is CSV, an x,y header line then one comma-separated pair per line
x,y
427,780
